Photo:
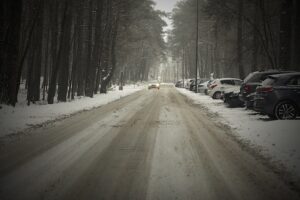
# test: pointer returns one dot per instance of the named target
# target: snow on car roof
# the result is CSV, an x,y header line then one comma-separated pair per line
x,y
229,79
285,74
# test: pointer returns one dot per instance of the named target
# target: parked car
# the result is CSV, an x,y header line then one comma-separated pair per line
x,y
179,83
188,83
192,84
279,96
220,85
251,82
231,97
199,82
202,87
153,84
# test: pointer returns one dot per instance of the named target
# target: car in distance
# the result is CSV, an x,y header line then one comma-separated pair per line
x,y
153,85
188,83
220,85
202,87
179,84
199,82
279,96
251,82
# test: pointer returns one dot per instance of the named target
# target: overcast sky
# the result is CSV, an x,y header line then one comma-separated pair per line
x,y
166,5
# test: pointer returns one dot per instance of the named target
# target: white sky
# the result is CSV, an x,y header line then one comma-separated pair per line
x,y
166,5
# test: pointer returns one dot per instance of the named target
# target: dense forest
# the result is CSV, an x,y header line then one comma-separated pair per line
x,y
235,37
64,48
60,49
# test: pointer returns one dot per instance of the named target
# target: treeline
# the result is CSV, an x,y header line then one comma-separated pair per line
x,y
236,36
64,48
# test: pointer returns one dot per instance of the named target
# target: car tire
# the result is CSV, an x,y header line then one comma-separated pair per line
x,y
285,110
217,95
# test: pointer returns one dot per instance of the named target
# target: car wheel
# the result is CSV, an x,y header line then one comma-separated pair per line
x,y
285,110
217,95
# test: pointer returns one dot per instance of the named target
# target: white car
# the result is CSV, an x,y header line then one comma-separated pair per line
x,y
203,87
187,83
153,84
220,85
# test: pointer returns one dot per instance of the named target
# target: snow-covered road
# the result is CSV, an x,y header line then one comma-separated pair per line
x,y
152,144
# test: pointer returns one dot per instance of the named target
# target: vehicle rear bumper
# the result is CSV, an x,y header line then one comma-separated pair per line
x,y
260,105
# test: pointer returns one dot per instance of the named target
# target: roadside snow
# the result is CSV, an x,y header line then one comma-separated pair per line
x,y
14,119
277,139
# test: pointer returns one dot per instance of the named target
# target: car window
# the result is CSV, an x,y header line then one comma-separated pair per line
x,y
237,82
228,82
269,81
294,81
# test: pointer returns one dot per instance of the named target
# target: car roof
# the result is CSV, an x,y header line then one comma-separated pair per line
x,y
204,83
268,71
228,79
285,74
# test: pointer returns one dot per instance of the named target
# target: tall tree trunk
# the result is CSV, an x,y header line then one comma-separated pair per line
x,y
295,48
113,55
255,36
46,55
9,67
96,55
285,34
52,86
63,77
106,62
83,47
38,54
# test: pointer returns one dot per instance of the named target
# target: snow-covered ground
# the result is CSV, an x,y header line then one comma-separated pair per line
x,y
276,139
14,119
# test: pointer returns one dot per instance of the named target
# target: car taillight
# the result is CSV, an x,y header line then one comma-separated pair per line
x,y
264,89
247,88
212,86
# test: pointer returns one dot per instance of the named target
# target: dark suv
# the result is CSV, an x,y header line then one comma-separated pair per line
x,y
251,82
279,96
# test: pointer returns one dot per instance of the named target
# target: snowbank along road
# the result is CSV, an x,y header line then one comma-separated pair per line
x,y
150,145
